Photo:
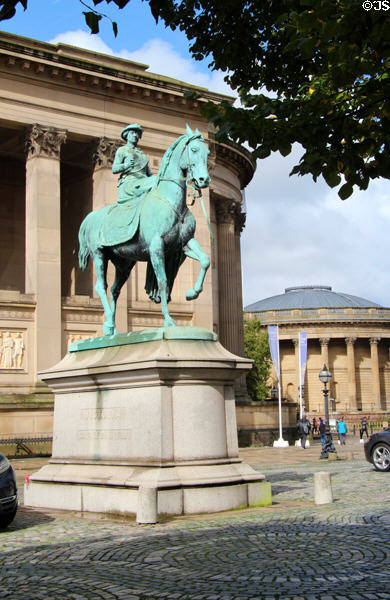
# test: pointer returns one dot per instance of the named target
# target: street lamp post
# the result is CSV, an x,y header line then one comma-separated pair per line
x,y
325,376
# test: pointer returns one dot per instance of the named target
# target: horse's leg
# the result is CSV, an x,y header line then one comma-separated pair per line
x,y
193,250
122,272
157,258
101,288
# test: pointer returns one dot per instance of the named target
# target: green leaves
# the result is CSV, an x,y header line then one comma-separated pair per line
x,y
332,179
8,8
345,191
92,20
256,347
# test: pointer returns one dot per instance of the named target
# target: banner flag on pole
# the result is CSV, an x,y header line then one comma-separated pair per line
x,y
274,347
302,355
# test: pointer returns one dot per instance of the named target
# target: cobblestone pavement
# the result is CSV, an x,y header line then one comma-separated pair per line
x,y
293,550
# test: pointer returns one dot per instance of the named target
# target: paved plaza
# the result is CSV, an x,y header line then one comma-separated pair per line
x,y
291,551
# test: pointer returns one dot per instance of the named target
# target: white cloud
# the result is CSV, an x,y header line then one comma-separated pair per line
x,y
161,57
82,39
299,233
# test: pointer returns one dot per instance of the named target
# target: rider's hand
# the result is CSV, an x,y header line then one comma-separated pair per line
x,y
129,163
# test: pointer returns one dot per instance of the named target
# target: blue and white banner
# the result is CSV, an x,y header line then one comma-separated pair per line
x,y
302,355
273,337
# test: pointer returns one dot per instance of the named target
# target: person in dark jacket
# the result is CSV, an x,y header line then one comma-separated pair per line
x,y
363,427
314,425
303,430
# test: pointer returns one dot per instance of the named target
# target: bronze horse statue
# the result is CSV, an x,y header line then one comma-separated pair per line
x,y
158,229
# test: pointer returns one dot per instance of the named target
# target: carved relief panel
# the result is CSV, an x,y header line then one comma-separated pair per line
x,y
12,350
77,337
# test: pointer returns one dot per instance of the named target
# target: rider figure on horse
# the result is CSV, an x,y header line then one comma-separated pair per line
x,y
135,177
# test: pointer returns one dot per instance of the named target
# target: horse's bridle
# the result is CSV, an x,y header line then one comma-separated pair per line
x,y
194,186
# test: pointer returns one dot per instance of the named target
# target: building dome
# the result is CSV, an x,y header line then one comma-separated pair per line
x,y
310,296
350,334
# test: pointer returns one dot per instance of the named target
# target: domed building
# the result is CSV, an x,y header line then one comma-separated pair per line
x,y
351,335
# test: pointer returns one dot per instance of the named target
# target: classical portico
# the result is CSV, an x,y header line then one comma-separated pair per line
x,y
350,335
62,111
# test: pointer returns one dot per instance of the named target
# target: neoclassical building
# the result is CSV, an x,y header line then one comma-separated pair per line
x,y
351,335
61,113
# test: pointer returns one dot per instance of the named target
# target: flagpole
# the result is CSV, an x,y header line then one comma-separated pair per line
x,y
300,378
280,414
280,443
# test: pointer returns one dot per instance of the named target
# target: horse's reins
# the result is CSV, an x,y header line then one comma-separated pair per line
x,y
194,189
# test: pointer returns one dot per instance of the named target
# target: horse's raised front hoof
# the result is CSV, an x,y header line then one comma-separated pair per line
x,y
191,294
109,329
169,322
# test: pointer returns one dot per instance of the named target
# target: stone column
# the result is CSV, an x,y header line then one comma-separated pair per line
x,y
324,351
43,239
352,400
295,341
239,224
104,192
229,313
376,386
230,222
104,181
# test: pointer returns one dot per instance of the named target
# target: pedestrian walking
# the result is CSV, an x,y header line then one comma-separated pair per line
x,y
314,425
321,428
364,427
342,430
303,429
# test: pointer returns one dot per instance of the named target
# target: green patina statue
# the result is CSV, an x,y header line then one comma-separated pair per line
x,y
150,223
135,177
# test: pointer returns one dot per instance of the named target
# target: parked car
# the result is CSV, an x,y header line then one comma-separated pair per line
x,y
8,492
377,450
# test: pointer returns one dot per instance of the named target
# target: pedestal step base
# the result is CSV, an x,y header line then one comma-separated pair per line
x,y
114,488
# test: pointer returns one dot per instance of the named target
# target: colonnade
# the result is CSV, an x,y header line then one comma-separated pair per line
x,y
351,401
43,243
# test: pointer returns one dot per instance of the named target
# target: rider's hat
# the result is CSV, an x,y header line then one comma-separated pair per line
x,y
133,126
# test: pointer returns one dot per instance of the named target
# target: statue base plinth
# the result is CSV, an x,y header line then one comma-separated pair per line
x,y
157,413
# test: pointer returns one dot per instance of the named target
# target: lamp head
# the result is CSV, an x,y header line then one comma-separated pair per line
x,y
324,375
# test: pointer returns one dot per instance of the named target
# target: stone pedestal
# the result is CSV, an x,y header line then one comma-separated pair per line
x,y
155,409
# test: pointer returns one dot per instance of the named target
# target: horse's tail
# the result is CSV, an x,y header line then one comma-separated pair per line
x,y
84,251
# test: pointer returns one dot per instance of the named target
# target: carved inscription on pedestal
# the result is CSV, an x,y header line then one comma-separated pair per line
x,y
116,413
103,422
103,434
12,349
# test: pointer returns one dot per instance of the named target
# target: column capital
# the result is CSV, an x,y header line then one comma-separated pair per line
x,y
104,150
225,210
239,219
375,340
350,340
295,341
44,141
324,341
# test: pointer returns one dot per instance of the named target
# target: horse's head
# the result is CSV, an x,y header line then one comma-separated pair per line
x,y
194,158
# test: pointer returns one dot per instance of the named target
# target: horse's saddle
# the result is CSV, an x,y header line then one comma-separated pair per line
x,y
115,224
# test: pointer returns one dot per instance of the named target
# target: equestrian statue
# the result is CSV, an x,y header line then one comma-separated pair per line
x,y
151,222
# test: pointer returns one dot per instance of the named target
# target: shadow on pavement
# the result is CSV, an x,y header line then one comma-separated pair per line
x,y
26,518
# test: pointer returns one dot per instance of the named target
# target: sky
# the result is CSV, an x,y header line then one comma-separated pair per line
x,y
297,232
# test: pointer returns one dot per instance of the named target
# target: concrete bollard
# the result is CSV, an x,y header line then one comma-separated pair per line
x,y
147,504
322,488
